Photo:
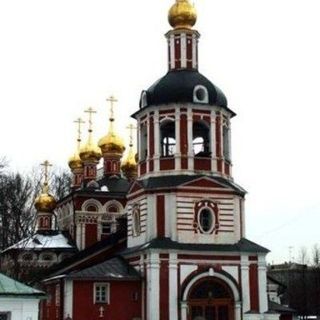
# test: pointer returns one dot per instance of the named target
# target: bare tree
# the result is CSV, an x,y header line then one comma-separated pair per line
x,y
316,255
303,255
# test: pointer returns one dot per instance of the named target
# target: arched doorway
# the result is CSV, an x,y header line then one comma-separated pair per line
x,y
210,299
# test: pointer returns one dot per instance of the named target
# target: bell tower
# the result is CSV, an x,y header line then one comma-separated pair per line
x,y
186,217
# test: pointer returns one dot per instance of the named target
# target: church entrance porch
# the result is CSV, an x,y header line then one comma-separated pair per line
x,y
210,299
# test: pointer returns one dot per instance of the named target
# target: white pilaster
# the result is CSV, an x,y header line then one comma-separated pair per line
x,y
183,50
68,299
173,286
213,142
151,217
148,143
243,217
83,235
178,144
139,143
194,52
78,235
156,141
153,287
237,224
190,139
172,51
245,284
171,216
262,284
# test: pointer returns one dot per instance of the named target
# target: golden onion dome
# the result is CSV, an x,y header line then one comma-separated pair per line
x,y
90,152
45,202
111,143
75,162
182,15
129,165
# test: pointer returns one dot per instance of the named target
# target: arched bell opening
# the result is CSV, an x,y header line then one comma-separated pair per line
x,y
168,138
201,139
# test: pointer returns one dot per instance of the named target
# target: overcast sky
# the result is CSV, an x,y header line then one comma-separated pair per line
x,y
59,57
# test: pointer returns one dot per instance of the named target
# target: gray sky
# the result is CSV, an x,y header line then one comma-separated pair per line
x,y
58,57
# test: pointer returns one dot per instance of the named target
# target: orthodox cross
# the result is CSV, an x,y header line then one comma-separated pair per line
x,y
90,111
112,100
131,127
79,122
46,164
101,310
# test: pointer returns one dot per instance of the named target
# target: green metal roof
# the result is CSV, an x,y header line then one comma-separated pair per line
x,y
10,287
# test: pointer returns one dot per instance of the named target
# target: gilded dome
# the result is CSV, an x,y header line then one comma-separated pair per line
x,y
75,162
129,165
111,143
45,202
90,152
182,15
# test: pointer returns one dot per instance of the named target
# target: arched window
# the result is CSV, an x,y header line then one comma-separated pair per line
x,y
210,289
201,141
92,208
143,142
136,226
109,219
168,138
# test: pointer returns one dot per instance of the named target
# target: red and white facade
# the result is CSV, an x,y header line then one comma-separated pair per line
x,y
185,217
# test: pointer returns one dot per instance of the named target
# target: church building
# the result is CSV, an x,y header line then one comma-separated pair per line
x,y
160,235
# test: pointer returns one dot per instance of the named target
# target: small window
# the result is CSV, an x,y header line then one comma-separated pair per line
x,y
102,293
136,229
205,220
200,94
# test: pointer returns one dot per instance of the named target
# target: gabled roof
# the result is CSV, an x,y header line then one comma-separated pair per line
x,y
54,240
243,245
180,180
91,252
12,288
114,269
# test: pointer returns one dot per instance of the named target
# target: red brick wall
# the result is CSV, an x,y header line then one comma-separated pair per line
x,y
122,304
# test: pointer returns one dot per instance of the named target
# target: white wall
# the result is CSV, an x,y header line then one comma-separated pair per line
x,y
21,309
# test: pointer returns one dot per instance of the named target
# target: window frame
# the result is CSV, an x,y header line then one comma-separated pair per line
x,y
105,285
213,222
